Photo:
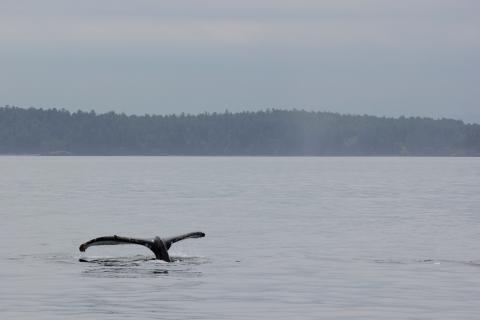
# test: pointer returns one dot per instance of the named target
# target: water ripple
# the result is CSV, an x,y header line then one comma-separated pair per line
x,y
141,267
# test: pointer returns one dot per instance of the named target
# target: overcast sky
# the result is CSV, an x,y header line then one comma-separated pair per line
x,y
380,57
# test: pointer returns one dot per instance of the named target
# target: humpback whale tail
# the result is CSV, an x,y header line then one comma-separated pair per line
x,y
158,245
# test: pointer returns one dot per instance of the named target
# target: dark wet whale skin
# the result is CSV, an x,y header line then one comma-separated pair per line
x,y
158,245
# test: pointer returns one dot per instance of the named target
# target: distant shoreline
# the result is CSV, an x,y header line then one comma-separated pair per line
x,y
284,133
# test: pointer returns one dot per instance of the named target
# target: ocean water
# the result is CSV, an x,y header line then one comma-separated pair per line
x,y
286,238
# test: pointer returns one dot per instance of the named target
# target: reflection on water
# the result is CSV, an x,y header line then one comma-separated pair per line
x,y
141,267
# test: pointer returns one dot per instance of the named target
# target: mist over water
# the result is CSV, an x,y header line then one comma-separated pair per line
x,y
302,238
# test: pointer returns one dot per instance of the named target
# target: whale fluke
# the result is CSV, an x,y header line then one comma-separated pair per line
x,y
169,241
158,245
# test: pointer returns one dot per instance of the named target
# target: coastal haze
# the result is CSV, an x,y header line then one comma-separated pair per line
x,y
383,58
270,132
303,238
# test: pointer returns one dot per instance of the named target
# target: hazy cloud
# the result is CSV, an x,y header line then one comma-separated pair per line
x,y
373,56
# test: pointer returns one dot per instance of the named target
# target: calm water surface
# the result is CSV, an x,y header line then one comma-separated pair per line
x,y
287,238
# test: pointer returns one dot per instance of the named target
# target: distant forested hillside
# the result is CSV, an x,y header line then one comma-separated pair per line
x,y
271,132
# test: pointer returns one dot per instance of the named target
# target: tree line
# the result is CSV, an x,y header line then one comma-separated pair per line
x,y
268,132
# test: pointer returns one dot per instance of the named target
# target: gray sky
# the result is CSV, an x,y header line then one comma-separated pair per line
x,y
381,57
